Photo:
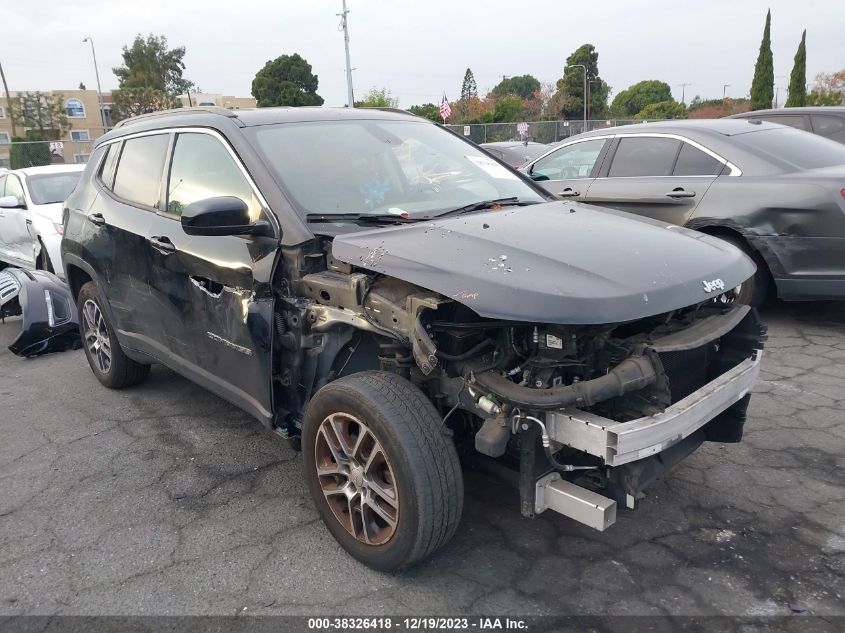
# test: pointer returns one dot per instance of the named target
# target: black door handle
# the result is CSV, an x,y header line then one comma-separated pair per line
x,y
569,192
679,192
97,218
162,244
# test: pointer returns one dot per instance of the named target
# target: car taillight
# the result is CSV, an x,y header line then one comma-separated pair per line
x,y
843,193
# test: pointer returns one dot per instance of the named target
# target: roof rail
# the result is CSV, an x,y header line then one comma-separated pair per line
x,y
386,109
232,114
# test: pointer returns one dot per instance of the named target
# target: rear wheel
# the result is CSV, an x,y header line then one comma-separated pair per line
x,y
108,362
755,290
384,477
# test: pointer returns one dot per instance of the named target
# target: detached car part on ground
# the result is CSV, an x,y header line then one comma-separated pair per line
x,y
428,303
47,307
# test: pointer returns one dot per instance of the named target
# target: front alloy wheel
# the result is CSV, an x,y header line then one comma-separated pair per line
x,y
381,469
356,479
97,335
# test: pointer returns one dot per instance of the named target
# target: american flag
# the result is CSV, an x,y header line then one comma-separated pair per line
x,y
445,108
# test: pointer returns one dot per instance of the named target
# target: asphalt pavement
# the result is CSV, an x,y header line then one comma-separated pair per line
x,y
164,499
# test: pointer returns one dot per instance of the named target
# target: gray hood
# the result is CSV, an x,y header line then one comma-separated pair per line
x,y
558,262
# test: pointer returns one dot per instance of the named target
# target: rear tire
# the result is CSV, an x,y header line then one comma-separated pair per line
x,y
108,362
754,291
378,440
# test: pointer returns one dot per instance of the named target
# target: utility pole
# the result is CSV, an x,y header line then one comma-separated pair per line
x,y
90,40
683,88
585,91
345,26
725,91
9,103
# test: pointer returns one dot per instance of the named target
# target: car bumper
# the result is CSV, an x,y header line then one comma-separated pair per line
x,y
619,443
47,309
710,406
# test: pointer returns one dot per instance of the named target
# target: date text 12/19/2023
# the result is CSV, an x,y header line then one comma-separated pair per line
x,y
416,623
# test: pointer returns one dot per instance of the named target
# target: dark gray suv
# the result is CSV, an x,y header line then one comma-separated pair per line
x,y
390,298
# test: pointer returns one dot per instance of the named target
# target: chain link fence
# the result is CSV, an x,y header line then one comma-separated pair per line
x,y
76,147
538,131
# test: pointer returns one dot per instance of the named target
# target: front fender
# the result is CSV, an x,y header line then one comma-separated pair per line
x,y
47,308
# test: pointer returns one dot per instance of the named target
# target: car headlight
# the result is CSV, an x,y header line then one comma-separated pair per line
x,y
60,228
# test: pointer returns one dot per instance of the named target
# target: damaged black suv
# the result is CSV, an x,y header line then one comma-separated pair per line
x,y
382,291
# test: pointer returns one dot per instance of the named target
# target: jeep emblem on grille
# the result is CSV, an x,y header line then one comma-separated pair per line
x,y
711,286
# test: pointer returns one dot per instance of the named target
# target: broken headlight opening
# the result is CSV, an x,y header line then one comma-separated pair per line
x,y
47,311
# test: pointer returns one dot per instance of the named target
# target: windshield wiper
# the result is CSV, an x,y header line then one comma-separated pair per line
x,y
512,201
361,218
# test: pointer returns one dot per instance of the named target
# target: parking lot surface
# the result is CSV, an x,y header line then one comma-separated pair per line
x,y
164,499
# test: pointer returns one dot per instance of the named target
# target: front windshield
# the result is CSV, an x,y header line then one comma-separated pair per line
x,y
402,168
51,188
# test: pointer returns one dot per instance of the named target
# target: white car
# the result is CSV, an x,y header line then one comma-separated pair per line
x,y
31,215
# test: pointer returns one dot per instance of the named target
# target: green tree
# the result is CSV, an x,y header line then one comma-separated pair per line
x,y
763,85
509,109
129,102
570,87
41,111
150,79
669,109
798,78
469,89
149,63
286,81
525,86
376,98
829,89
430,111
634,98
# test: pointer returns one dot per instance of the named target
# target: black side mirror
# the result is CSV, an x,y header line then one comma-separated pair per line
x,y
224,215
538,177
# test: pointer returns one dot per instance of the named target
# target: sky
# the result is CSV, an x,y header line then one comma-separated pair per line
x,y
419,50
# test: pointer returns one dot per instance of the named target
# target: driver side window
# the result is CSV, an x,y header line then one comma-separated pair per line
x,y
573,161
202,168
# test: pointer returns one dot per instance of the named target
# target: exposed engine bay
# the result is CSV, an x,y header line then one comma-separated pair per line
x,y
521,393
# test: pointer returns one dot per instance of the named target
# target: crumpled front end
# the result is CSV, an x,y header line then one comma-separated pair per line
x,y
594,416
45,303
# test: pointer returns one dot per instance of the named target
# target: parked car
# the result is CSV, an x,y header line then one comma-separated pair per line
x,y
389,325
828,121
515,153
31,215
775,192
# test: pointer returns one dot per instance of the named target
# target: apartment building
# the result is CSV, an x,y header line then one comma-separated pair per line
x,y
86,124
84,121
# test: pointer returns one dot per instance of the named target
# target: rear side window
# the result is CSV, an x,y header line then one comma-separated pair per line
x,y
203,168
140,167
109,164
793,120
644,156
792,148
693,162
830,126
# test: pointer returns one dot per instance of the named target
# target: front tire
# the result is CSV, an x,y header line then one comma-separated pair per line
x,y
385,478
105,356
